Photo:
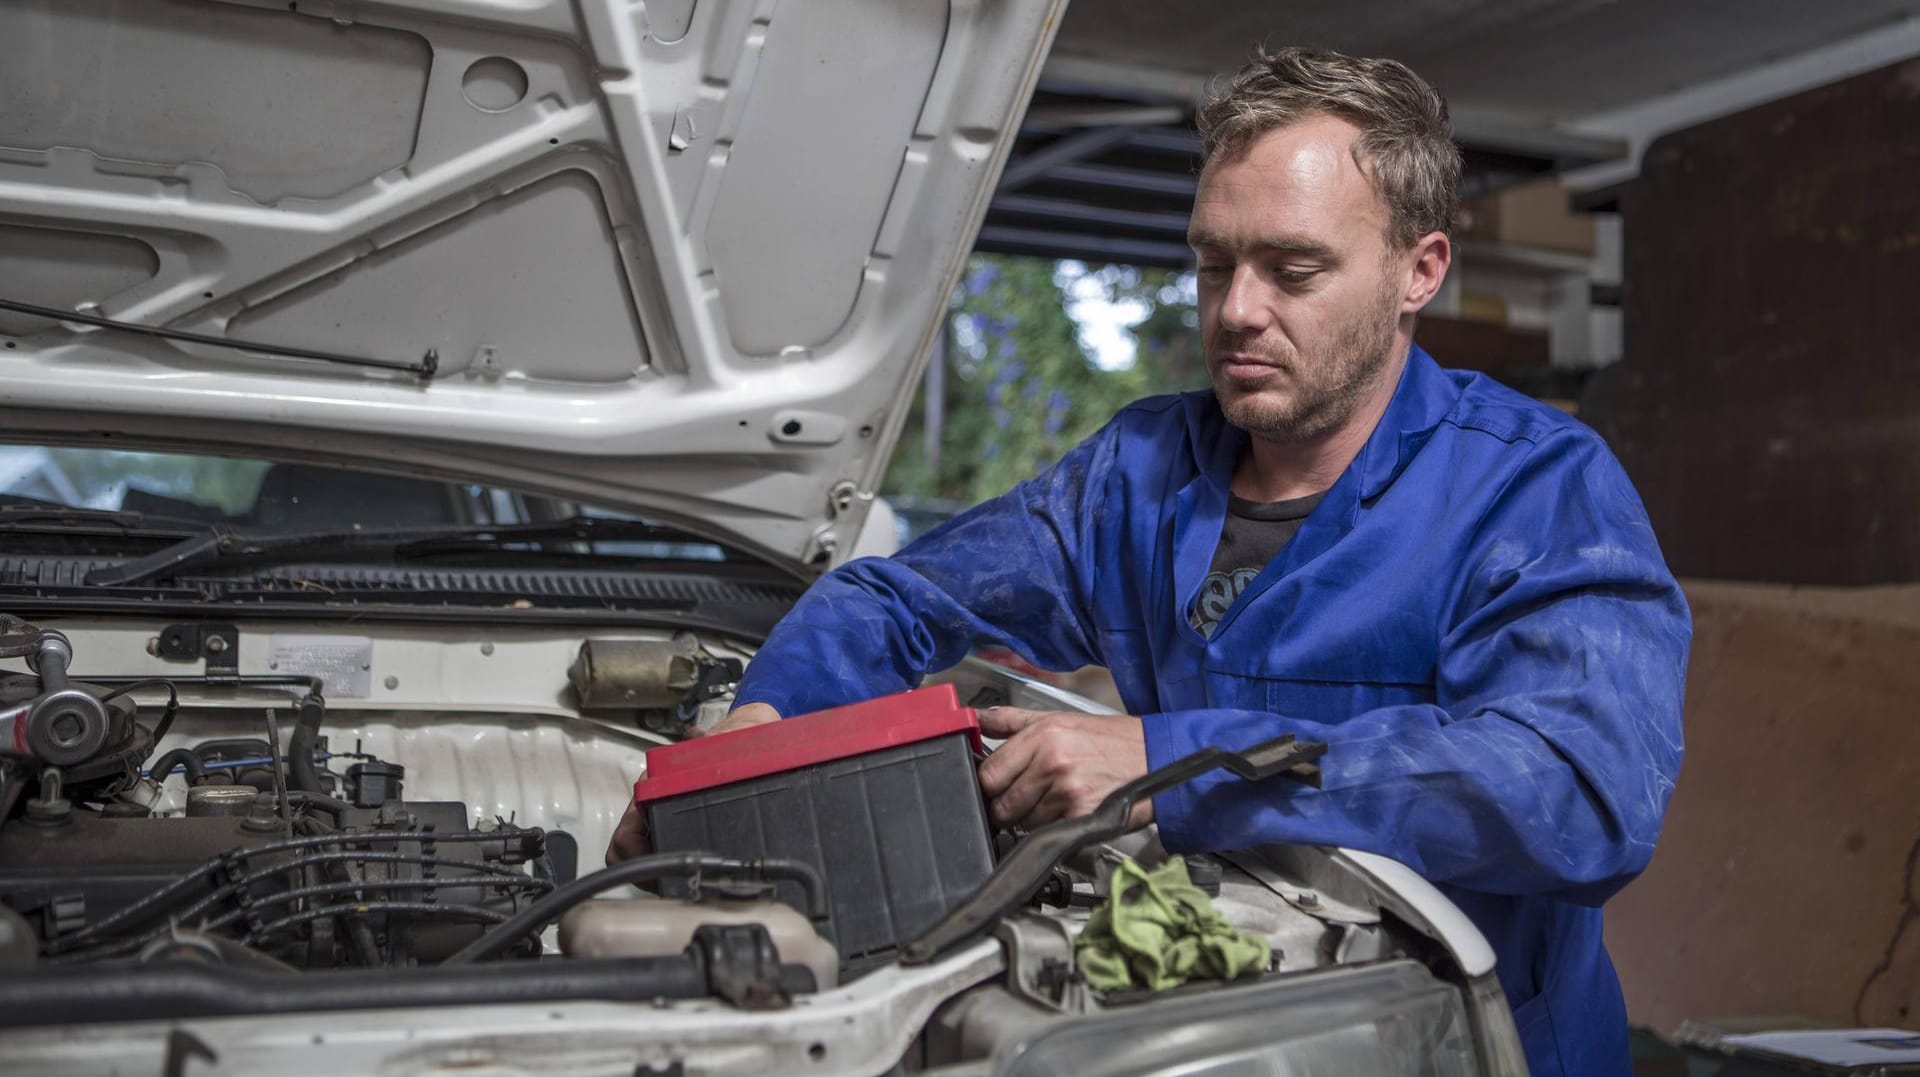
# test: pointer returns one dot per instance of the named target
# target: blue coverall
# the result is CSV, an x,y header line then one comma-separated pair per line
x,y
1476,620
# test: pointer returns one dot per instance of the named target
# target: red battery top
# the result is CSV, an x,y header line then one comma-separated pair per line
x,y
805,740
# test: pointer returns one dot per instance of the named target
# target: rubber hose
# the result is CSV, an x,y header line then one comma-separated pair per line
x,y
163,766
301,773
640,869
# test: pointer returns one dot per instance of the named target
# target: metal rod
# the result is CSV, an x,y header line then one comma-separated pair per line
x,y
279,771
424,369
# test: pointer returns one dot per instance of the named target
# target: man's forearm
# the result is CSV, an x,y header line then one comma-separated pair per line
x,y
1480,801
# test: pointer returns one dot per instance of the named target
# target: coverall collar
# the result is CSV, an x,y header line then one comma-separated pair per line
x,y
1424,397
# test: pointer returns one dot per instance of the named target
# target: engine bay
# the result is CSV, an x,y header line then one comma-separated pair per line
x,y
242,826
273,861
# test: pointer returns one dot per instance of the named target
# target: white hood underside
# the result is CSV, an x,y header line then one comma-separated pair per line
x,y
683,257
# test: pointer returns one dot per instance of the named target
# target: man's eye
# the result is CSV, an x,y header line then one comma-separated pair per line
x,y
1213,270
1295,276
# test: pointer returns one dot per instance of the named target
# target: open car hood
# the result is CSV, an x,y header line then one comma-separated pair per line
x,y
681,257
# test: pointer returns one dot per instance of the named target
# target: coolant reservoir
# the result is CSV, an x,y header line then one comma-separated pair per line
x,y
660,927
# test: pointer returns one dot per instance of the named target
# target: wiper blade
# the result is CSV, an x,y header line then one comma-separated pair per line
x,y
221,544
20,509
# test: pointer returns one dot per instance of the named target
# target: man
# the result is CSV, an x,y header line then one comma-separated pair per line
x,y
1453,586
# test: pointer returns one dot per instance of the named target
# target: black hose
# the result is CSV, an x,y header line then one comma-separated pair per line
x,y
163,766
332,805
301,773
639,870
167,716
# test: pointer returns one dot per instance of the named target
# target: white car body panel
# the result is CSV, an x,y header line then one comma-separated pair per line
x,y
681,258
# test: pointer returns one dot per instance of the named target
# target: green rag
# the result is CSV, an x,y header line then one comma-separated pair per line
x,y
1158,930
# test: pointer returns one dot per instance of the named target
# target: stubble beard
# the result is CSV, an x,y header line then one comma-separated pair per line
x,y
1327,385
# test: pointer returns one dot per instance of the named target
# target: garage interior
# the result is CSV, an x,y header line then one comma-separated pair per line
x,y
1695,226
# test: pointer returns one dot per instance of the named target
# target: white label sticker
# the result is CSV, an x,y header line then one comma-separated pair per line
x,y
343,663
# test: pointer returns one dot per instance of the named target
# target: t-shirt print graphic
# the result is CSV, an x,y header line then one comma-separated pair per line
x,y
1217,594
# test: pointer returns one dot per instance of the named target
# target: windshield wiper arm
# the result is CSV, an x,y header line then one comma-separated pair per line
x,y
222,544
20,509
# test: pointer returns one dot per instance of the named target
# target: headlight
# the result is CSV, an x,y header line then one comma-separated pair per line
x,y
1383,1021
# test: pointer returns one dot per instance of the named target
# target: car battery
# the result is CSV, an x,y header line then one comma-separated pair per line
x,y
880,797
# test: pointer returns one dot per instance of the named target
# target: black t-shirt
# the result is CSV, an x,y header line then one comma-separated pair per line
x,y
1253,534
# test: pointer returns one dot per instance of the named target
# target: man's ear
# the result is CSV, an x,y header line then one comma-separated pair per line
x,y
1431,255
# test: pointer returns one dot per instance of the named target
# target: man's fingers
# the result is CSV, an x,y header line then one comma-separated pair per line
x,y
1016,790
1001,722
1016,805
745,715
1005,765
629,837
1058,765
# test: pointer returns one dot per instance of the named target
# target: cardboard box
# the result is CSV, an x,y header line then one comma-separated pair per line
x,y
1531,215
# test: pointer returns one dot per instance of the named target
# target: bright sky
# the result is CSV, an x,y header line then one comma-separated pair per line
x,y
1104,325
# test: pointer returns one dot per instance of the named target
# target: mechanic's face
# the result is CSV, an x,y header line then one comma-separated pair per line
x,y
1301,292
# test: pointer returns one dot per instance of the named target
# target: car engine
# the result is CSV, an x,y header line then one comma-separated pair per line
x,y
204,858
276,862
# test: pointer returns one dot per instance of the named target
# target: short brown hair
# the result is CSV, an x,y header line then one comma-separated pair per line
x,y
1405,145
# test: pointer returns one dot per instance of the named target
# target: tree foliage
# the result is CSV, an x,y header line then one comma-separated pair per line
x,y
102,476
1022,386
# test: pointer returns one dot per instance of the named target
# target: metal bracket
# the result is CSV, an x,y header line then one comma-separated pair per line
x,y
1040,963
219,644
716,677
17,638
66,914
742,964
182,1047
843,495
821,545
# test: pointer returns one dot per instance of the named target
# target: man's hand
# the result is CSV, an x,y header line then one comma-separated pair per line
x,y
746,714
630,837
1059,764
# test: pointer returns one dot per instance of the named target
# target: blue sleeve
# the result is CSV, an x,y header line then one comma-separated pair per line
x,y
1010,571
1545,763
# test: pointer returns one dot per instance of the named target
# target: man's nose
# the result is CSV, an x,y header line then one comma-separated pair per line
x,y
1245,307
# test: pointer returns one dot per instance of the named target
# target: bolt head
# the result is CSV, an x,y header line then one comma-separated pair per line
x,y
54,811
